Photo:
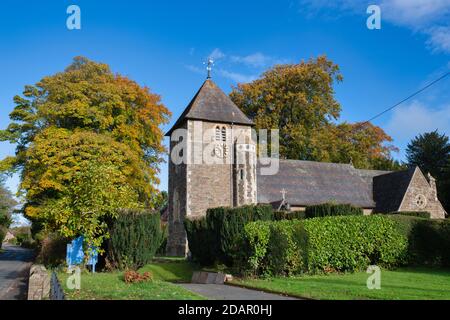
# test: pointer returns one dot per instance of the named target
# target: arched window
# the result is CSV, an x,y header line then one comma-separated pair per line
x,y
224,134
217,133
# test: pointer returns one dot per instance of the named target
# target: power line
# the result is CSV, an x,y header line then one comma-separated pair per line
x,y
407,98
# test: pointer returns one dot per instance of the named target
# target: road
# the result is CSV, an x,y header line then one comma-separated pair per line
x,y
15,264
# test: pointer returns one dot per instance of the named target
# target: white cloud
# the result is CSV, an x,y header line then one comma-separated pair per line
x,y
439,39
217,54
235,76
416,118
430,17
255,60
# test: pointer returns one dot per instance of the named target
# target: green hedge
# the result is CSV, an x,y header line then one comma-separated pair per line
x,y
274,248
332,209
428,240
352,243
327,244
134,238
420,214
221,232
289,215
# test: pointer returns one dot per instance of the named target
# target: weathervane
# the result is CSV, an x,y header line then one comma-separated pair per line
x,y
209,66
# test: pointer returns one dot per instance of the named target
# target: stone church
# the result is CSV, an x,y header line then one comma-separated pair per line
x,y
213,163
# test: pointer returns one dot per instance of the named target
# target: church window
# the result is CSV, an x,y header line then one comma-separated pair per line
x,y
224,134
420,201
241,172
217,133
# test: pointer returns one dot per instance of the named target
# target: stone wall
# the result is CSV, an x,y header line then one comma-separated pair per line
x,y
421,196
207,176
38,283
177,243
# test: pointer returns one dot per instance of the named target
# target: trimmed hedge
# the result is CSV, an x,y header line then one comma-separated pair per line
x,y
274,248
327,244
420,214
352,243
134,238
428,240
218,237
289,215
332,209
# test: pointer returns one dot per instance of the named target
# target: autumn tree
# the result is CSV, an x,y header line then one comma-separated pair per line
x,y
298,99
79,124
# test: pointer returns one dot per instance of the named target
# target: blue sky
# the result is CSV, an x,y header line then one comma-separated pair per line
x,y
163,44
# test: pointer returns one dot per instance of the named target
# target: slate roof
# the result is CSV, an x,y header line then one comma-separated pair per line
x,y
389,189
309,182
212,104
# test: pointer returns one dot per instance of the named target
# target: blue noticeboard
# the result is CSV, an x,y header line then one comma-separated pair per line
x,y
75,253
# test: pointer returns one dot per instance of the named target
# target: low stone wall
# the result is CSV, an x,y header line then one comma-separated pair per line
x,y
39,283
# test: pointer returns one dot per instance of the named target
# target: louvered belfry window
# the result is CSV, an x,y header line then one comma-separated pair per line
x,y
224,134
217,133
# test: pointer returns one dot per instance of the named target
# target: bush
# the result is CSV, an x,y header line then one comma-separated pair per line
x,y
52,250
327,244
200,241
2,235
164,236
134,238
274,248
288,215
428,240
218,237
131,276
352,243
332,209
420,214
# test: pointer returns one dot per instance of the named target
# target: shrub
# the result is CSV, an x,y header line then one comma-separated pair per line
x,y
327,244
52,250
331,209
420,214
274,248
352,243
222,231
200,241
134,238
164,236
288,215
2,235
428,240
131,276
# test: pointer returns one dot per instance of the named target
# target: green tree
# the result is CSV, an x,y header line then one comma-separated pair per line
x,y
298,99
7,204
431,152
72,130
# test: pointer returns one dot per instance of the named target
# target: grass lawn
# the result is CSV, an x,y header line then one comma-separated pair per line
x,y
405,284
110,286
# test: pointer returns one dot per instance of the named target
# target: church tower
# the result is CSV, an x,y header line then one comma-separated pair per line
x,y
212,161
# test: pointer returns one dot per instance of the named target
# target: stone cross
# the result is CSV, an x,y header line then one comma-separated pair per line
x,y
283,193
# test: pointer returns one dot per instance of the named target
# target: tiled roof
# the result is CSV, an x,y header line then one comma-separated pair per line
x,y
212,104
309,182
389,189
